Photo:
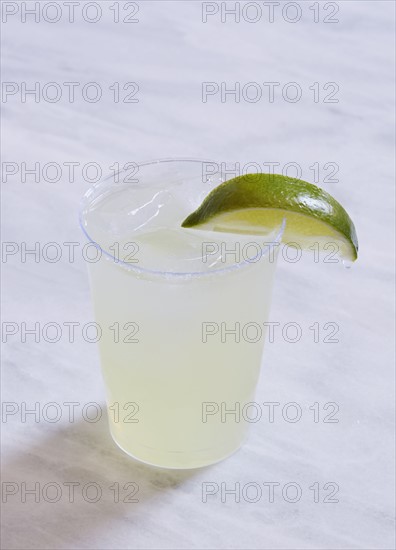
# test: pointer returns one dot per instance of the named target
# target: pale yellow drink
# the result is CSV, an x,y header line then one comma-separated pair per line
x,y
180,343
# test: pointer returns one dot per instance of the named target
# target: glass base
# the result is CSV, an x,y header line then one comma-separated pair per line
x,y
177,460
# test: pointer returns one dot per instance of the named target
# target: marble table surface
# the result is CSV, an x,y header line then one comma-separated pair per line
x,y
339,133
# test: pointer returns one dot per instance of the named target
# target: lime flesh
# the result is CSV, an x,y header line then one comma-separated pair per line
x,y
256,203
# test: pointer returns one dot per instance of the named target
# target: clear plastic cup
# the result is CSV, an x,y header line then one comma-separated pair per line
x,y
182,337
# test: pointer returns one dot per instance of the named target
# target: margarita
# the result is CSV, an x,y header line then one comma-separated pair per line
x,y
175,306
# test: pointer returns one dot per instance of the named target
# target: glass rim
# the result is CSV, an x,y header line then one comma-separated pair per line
x,y
157,272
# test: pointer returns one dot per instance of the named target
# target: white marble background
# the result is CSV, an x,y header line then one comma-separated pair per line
x,y
169,53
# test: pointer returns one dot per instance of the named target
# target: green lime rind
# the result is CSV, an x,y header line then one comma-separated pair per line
x,y
269,191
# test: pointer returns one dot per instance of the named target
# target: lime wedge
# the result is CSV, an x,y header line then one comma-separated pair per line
x,y
255,203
